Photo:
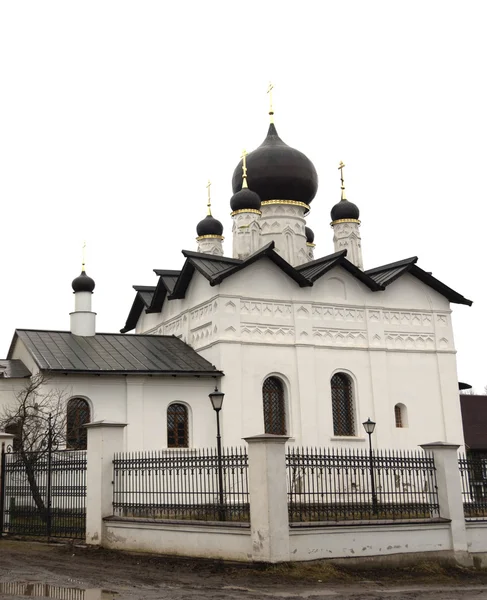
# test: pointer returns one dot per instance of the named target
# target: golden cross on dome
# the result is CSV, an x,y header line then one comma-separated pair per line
x,y
244,169
83,250
340,168
271,108
208,186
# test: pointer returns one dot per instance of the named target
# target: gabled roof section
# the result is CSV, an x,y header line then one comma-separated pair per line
x,y
207,265
143,299
268,252
315,269
112,354
13,369
387,274
165,286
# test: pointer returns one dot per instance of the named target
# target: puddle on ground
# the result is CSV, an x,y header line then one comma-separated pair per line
x,y
46,590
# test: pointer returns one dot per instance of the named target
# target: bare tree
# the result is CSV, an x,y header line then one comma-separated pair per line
x,y
485,390
37,418
469,392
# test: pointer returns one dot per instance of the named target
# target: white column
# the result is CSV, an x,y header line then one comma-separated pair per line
x,y
105,438
346,236
210,244
450,493
5,439
135,412
246,233
285,225
269,520
83,319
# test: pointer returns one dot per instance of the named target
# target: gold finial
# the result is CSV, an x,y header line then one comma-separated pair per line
x,y
340,168
271,108
83,250
244,169
208,186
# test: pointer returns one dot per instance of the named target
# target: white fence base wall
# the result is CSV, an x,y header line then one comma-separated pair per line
x,y
182,539
477,538
313,543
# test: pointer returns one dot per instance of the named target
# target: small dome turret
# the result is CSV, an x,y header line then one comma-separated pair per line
x,y
83,283
310,236
245,199
345,210
209,226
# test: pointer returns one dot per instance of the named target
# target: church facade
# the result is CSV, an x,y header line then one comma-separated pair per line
x,y
301,346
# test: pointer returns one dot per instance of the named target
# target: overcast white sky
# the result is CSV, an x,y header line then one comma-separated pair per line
x,y
113,115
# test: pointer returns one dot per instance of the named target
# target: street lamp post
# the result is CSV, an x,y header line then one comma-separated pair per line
x,y
369,427
216,398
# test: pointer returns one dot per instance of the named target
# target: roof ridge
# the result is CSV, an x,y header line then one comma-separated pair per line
x,y
394,265
317,261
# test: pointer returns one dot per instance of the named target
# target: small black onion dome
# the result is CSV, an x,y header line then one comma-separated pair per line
x,y
245,199
344,210
310,236
209,226
83,283
278,172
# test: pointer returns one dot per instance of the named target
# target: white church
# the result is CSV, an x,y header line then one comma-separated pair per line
x,y
301,346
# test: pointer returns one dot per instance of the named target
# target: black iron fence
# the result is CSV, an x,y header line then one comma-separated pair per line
x,y
473,471
43,493
182,484
345,485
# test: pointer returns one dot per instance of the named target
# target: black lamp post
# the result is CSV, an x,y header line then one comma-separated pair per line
x,y
216,398
369,427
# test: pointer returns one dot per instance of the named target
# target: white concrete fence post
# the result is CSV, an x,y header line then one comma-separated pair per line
x,y
105,438
269,519
449,483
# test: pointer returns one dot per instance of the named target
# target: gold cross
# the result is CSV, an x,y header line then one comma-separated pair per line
x,y
83,250
208,186
271,109
244,168
340,168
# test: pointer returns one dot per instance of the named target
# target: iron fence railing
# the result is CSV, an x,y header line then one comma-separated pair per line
x,y
473,471
43,493
182,484
344,485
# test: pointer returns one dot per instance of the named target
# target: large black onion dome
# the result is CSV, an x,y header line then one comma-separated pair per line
x,y
278,172
344,210
83,283
245,199
209,226
310,236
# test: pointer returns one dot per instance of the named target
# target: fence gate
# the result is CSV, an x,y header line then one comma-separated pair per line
x,y
43,493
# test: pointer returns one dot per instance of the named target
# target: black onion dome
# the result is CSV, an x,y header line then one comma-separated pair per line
x,y
209,226
245,199
310,236
278,172
344,210
83,283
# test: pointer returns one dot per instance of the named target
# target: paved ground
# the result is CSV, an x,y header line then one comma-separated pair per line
x,y
39,570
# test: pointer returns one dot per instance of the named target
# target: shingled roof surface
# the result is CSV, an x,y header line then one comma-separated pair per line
x,y
112,353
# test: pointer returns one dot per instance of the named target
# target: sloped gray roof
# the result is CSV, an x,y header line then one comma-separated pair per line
x,y
112,353
13,369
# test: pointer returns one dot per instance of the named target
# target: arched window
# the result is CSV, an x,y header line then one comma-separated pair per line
x,y
400,415
274,408
177,426
342,402
77,414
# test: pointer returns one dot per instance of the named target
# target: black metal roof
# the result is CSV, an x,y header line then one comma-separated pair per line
x,y
12,369
112,354
143,299
173,284
386,274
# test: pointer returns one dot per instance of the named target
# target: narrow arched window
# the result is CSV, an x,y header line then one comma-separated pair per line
x,y
177,426
274,408
77,414
400,415
342,403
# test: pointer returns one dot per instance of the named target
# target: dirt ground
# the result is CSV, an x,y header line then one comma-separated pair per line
x,y
26,568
